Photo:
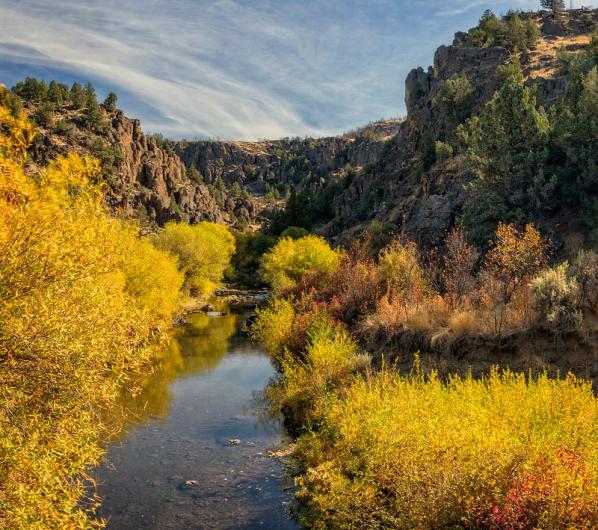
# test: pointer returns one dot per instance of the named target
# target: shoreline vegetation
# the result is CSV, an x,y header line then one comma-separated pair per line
x,y
384,448
86,305
445,380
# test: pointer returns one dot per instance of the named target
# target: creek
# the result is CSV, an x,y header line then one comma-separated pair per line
x,y
195,452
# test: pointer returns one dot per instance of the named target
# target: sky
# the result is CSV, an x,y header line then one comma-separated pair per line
x,y
237,69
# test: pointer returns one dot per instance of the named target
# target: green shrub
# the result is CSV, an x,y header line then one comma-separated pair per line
x,y
555,295
294,232
454,99
443,151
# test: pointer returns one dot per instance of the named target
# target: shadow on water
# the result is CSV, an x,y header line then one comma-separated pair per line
x,y
193,452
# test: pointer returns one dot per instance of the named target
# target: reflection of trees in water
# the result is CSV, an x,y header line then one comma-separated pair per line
x,y
195,349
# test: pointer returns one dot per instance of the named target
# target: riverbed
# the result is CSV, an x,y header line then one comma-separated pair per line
x,y
195,452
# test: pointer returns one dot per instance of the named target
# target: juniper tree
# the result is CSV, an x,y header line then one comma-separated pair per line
x,y
556,6
110,102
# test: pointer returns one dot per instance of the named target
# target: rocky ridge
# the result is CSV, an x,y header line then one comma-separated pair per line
x,y
285,163
423,204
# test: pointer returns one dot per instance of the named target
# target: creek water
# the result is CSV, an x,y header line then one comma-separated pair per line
x,y
194,452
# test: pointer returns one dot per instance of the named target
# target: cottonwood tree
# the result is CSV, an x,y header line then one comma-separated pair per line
x,y
514,258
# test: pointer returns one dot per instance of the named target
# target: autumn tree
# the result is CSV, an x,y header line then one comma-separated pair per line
x,y
203,251
459,263
514,258
291,259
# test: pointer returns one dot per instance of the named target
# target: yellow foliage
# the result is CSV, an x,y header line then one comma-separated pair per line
x,y
329,361
291,259
400,267
203,251
274,325
151,276
79,308
412,452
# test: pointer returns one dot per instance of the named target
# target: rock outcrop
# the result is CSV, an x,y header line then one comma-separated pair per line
x,y
151,178
259,166
144,176
423,203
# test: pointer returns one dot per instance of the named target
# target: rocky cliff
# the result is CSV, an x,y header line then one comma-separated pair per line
x,y
144,177
398,190
281,164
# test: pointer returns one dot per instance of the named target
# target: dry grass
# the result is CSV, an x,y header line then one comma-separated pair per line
x,y
464,322
543,61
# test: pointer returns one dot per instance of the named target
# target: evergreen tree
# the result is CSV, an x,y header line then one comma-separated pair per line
x,y
30,89
556,6
576,146
77,96
93,116
235,189
58,93
110,102
507,150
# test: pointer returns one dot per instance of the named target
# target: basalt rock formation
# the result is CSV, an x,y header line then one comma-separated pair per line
x,y
423,202
280,164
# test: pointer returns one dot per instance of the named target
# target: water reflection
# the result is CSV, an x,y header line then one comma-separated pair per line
x,y
194,349
171,466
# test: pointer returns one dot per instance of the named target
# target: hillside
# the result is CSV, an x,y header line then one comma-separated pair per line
x,y
413,189
405,175
280,164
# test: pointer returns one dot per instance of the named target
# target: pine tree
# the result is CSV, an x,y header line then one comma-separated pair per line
x,y
77,96
94,118
556,6
110,102
58,93
507,149
576,143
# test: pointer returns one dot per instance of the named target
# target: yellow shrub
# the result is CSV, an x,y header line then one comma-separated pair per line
x,y
400,267
329,360
76,321
291,259
411,452
151,276
274,325
204,251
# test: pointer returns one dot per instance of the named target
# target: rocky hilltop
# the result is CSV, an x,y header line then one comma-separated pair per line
x,y
282,164
423,199
144,177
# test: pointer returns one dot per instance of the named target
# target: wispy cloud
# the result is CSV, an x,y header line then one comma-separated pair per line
x,y
237,68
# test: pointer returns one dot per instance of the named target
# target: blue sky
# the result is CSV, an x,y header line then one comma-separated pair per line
x,y
237,69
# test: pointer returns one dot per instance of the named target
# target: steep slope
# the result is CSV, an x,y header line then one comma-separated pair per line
x,y
144,176
280,164
420,197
